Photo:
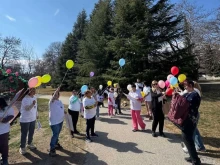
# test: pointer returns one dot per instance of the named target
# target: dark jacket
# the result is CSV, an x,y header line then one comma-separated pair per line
x,y
155,104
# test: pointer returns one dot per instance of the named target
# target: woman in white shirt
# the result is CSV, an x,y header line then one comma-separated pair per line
x,y
73,110
135,104
56,117
28,119
6,114
148,99
89,104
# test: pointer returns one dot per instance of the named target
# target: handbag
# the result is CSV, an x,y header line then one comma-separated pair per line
x,y
165,107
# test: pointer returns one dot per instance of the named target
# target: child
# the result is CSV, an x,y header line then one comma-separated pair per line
x,y
111,102
100,99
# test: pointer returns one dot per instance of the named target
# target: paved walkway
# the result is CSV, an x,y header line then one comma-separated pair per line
x,y
118,145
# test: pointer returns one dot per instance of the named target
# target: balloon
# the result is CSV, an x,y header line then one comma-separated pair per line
x,y
167,83
84,88
173,80
169,76
39,81
69,64
181,78
32,82
174,70
171,87
176,85
161,84
122,62
129,88
92,74
169,91
115,94
46,78
142,94
100,87
109,83
115,85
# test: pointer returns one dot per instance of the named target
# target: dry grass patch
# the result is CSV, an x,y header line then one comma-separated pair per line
x,y
49,90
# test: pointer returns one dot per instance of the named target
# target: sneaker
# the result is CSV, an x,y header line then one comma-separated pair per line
x,y
188,159
201,150
31,146
97,118
58,146
150,118
185,150
94,135
76,132
162,135
154,134
88,140
52,153
22,151
120,113
134,130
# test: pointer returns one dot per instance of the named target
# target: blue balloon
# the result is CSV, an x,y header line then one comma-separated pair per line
x,y
84,88
122,62
173,80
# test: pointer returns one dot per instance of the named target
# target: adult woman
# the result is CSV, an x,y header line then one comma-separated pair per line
x,y
74,109
135,104
28,119
158,116
6,114
89,104
56,117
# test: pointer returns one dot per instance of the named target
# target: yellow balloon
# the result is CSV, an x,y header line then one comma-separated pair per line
x,y
109,83
69,64
115,85
39,81
181,78
142,94
46,78
176,85
171,86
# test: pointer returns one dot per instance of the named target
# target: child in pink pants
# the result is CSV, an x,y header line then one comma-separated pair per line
x,y
111,102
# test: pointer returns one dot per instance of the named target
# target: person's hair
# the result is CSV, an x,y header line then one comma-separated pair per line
x,y
190,82
87,92
28,91
153,87
57,93
197,86
133,86
73,90
3,103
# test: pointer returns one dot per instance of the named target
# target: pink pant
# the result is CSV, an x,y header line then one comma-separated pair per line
x,y
137,119
110,110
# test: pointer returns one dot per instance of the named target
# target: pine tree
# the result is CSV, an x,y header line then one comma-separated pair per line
x,y
93,54
69,52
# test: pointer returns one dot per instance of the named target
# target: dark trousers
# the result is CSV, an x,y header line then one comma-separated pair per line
x,y
90,124
187,135
56,129
158,118
27,129
118,102
4,146
75,116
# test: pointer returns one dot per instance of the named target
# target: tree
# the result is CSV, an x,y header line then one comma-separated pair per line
x,y
69,50
9,49
94,54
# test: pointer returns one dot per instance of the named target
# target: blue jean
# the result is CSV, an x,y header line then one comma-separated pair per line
x,y
56,129
97,111
27,129
197,138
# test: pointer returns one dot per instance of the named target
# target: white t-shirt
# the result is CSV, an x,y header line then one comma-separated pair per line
x,y
74,103
89,113
147,92
56,112
111,99
31,115
138,85
100,98
5,127
135,104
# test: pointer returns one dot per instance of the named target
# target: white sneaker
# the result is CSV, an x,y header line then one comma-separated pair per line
x,y
185,150
31,146
22,151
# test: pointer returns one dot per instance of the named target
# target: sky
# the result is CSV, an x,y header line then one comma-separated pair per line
x,y
40,22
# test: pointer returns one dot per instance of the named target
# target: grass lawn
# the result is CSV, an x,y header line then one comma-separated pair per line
x,y
74,149
209,123
48,91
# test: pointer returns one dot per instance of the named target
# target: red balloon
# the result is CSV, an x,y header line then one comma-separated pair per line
x,y
169,92
174,70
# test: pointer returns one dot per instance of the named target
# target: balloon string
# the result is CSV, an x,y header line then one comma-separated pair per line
x,y
64,77
116,73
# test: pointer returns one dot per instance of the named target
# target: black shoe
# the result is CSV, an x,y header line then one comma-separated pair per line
x,y
94,135
134,130
58,146
52,153
76,132
150,118
188,159
154,134
120,113
88,140
162,135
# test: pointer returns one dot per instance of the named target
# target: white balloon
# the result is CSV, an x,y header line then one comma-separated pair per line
x,y
129,88
100,87
115,94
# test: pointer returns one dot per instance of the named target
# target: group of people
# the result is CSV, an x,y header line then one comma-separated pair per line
x,y
89,104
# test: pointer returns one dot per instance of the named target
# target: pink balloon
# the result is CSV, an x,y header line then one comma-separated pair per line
x,y
33,82
169,77
161,84
167,83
